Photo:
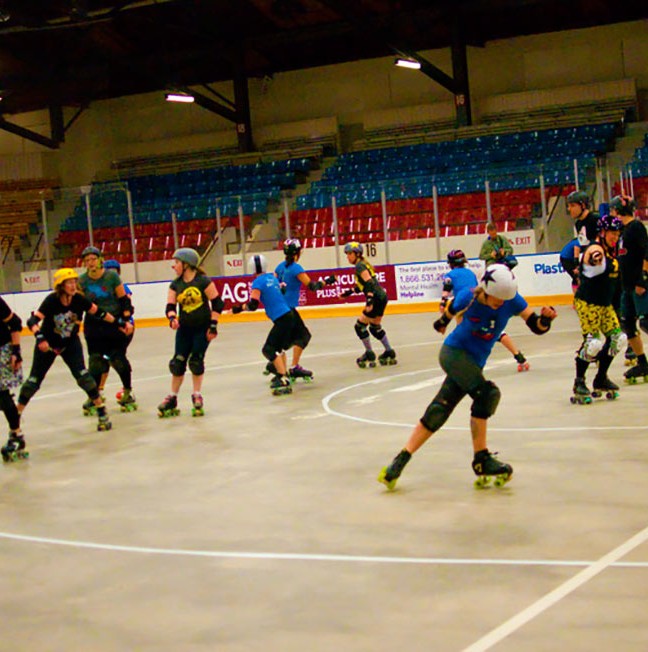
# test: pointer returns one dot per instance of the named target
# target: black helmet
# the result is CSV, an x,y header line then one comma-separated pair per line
x,y
456,258
610,223
292,247
623,205
91,251
578,197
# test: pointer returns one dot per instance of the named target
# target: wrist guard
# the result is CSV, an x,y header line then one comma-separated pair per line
x,y
237,308
330,280
39,337
170,311
315,285
534,322
213,327
15,352
217,304
346,293
32,321
252,304
441,323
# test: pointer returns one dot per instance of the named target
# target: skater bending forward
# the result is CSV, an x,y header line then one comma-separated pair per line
x,y
485,311
196,325
375,303
61,314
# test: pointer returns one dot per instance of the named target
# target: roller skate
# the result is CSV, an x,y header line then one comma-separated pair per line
x,y
387,358
280,385
14,449
523,365
127,401
89,408
633,374
299,372
630,357
197,408
270,369
581,394
169,407
103,421
487,467
390,474
604,386
367,359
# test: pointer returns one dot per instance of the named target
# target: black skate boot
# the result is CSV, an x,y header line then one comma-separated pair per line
x,y
581,394
270,369
388,357
367,359
198,405
127,401
523,365
486,467
605,386
280,385
169,407
639,371
14,449
103,422
390,474
630,357
299,372
89,408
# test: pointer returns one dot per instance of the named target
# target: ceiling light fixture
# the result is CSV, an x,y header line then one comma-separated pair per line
x,y
179,97
408,63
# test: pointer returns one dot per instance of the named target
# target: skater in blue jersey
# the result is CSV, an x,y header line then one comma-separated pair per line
x,y
485,312
287,326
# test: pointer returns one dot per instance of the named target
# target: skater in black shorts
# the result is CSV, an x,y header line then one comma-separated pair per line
x,y
10,378
375,303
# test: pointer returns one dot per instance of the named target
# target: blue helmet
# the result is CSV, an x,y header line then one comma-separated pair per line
x,y
111,263
353,247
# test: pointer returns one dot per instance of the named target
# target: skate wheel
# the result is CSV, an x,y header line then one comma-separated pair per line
x,y
372,364
502,479
482,481
596,394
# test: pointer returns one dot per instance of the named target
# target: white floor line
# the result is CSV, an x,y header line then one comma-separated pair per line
x,y
528,614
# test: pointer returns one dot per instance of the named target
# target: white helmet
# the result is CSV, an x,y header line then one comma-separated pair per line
x,y
258,264
499,281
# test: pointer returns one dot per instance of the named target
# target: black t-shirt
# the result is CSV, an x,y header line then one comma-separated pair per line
x,y
587,229
5,313
599,290
633,249
372,284
195,309
61,323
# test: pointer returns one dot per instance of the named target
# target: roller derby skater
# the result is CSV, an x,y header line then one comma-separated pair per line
x,y
487,309
593,302
633,263
371,316
55,326
287,329
195,325
10,379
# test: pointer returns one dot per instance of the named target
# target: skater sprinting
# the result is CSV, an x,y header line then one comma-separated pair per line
x,y
10,379
602,335
106,343
195,324
292,277
460,277
486,311
55,326
287,326
370,319
633,264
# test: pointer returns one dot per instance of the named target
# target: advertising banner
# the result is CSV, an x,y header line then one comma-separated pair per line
x,y
424,281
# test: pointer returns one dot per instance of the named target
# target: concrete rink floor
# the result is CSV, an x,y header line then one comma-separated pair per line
x,y
261,525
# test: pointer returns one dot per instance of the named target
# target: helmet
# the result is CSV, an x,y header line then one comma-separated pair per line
x,y
292,247
499,281
578,197
258,263
353,247
64,274
623,205
112,264
187,255
456,258
91,251
610,223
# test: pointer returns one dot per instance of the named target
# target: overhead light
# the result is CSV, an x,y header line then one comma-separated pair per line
x,y
179,97
408,63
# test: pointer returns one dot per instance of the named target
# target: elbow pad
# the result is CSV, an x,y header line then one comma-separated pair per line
x,y
32,321
126,306
447,285
534,322
315,285
217,304
100,314
252,304
14,323
170,310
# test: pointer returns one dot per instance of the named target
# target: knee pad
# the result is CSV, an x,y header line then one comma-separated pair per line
x,y
269,353
442,406
485,398
98,364
591,347
120,364
197,364
629,327
377,331
643,324
362,330
87,383
618,342
28,389
178,365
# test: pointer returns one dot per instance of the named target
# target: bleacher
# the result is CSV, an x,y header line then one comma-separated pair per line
x,y
20,204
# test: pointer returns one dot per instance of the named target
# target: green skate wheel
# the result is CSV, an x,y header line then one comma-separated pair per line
x,y
482,481
390,484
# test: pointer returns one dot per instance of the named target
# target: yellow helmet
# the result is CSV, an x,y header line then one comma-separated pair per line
x,y
64,274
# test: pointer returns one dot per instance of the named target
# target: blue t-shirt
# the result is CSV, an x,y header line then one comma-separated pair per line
x,y
272,299
481,326
288,274
461,277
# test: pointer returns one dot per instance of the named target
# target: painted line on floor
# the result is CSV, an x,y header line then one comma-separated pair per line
x,y
552,598
281,556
